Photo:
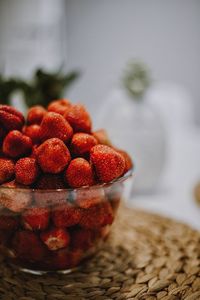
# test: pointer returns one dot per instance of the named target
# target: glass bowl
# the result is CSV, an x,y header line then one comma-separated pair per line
x,y
56,230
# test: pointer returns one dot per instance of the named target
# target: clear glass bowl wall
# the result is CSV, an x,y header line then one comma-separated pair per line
x,y
86,214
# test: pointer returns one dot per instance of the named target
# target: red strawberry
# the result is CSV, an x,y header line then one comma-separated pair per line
x,y
16,144
15,196
82,239
36,218
53,156
86,198
7,169
127,158
55,126
65,259
59,106
34,152
33,131
26,170
79,173
45,196
65,215
50,182
28,246
102,137
36,114
108,163
10,118
8,221
82,143
56,238
97,216
78,118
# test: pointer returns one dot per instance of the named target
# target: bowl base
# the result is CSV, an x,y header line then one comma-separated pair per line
x,y
44,272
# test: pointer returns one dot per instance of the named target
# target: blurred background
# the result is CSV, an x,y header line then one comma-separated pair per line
x,y
135,65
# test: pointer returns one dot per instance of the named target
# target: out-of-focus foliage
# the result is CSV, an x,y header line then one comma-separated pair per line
x,y
42,89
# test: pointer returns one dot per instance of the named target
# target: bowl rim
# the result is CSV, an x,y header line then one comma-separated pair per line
x,y
120,179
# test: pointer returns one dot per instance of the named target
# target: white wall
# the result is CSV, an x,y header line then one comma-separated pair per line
x,y
30,35
103,35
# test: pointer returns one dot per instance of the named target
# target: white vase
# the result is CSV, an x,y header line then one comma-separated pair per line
x,y
135,126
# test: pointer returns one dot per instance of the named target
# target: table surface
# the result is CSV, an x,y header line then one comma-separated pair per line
x,y
146,257
174,197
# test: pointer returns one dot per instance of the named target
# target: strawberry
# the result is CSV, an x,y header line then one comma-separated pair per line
x,y
45,196
50,182
86,198
65,259
8,221
127,158
10,118
28,246
16,144
53,156
82,143
97,216
36,114
108,163
34,152
65,215
14,196
79,173
82,239
7,169
78,118
56,238
26,170
33,131
102,137
59,106
36,218
55,126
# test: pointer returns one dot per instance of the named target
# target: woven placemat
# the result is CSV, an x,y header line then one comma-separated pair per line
x,y
147,257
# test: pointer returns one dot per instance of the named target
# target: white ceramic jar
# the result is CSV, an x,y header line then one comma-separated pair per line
x,y
134,125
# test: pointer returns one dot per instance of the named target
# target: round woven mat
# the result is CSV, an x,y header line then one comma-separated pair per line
x,y
147,257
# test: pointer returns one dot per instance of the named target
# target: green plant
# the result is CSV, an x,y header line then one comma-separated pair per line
x,y
7,87
42,89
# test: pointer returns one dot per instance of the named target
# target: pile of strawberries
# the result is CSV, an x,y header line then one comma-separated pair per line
x,y
51,151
